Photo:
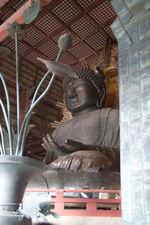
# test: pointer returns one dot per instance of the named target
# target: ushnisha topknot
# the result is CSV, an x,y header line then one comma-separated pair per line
x,y
95,80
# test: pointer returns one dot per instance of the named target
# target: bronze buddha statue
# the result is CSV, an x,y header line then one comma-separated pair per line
x,y
92,126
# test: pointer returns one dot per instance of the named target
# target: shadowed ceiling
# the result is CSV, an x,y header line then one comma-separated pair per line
x,y
89,24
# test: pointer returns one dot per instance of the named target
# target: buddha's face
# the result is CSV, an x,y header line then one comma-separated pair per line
x,y
81,96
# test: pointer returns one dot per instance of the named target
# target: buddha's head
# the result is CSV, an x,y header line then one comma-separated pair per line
x,y
85,93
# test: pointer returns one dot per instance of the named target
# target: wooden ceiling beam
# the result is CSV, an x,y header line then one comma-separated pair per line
x,y
85,12
85,37
66,25
32,48
40,43
68,28
17,17
93,5
49,37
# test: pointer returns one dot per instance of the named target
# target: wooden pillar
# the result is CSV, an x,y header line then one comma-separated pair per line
x,y
132,30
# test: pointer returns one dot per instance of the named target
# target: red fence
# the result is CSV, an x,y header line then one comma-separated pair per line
x,y
74,206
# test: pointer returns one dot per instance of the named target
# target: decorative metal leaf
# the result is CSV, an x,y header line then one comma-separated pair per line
x,y
32,12
58,68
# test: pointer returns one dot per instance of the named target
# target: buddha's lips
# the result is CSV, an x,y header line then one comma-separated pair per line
x,y
73,101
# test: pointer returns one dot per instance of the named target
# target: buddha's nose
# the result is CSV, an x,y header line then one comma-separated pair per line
x,y
72,96
72,93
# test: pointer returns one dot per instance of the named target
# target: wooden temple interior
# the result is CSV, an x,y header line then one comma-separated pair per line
x,y
94,44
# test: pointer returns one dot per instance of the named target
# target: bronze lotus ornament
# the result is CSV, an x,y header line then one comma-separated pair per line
x,y
15,169
15,31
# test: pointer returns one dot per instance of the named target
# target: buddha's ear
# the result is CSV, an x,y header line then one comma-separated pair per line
x,y
58,68
99,71
101,101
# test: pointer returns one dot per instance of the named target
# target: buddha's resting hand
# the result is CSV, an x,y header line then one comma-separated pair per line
x,y
83,161
49,146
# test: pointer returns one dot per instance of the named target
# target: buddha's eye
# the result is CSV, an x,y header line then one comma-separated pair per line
x,y
71,84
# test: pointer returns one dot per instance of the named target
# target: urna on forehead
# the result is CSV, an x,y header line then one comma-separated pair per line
x,y
79,82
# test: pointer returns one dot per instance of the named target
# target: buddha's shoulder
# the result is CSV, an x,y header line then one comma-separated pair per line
x,y
109,111
104,112
91,117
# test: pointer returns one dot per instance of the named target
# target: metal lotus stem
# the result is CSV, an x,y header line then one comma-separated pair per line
x,y
51,80
17,85
8,114
2,144
23,131
7,125
64,43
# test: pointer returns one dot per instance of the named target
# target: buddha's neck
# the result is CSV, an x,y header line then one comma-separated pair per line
x,y
84,111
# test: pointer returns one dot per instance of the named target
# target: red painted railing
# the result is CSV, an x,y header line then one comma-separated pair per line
x,y
73,206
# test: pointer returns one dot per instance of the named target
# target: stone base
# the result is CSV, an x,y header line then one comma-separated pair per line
x,y
14,219
82,220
